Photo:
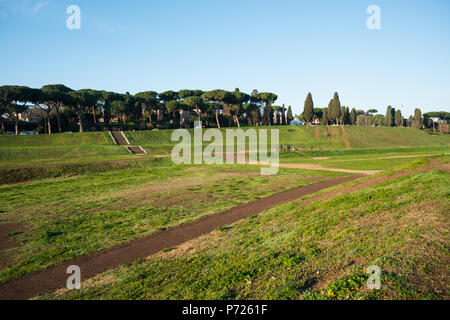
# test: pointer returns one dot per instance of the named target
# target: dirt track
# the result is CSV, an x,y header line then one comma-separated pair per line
x,y
344,138
307,166
53,278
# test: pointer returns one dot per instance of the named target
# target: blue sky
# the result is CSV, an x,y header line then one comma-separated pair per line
x,y
286,47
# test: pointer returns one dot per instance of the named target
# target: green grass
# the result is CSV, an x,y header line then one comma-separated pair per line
x,y
57,139
315,251
361,159
69,217
304,138
57,148
98,146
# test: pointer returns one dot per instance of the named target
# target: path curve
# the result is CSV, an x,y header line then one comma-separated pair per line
x,y
317,167
53,278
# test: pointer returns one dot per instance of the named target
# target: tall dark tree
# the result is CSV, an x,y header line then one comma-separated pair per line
x,y
283,114
398,119
289,115
308,110
417,119
389,118
353,117
324,120
345,115
334,109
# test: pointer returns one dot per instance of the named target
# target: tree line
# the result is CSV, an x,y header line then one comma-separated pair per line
x,y
63,107
337,114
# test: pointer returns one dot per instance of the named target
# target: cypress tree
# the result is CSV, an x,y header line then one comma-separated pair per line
x,y
283,114
324,120
353,117
388,119
330,106
308,111
335,108
417,120
289,115
346,116
418,115
398,119
342,117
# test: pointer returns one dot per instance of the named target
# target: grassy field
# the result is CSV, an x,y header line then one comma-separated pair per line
x,y
57,148
65,218
314,138
75,194
308,249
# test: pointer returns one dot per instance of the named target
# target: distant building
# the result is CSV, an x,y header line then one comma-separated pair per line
x,y
32,114
296,122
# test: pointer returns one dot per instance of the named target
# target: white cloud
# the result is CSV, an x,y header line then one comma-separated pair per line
x,y
38,6
23,7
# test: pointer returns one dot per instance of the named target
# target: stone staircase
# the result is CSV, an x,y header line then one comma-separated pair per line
x,y
120,139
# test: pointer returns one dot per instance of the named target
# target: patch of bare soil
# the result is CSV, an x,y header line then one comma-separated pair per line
x,y
344,138
6,241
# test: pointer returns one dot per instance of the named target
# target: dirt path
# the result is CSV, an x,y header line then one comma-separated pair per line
x,y
344,138
318,167
316,133
54,278
5,240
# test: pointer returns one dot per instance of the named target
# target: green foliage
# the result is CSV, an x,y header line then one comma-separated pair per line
x,y
353,117
289,115
334,108
308,111
398,118
388,119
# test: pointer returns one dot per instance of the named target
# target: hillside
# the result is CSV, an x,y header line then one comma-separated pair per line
x,y
322,137
16,150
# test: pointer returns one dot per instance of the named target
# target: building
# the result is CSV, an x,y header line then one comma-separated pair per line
x,y
33,114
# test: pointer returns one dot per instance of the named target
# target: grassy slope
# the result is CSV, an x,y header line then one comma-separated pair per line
x,y
313,141
305,138
68,217
35,149
315,251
